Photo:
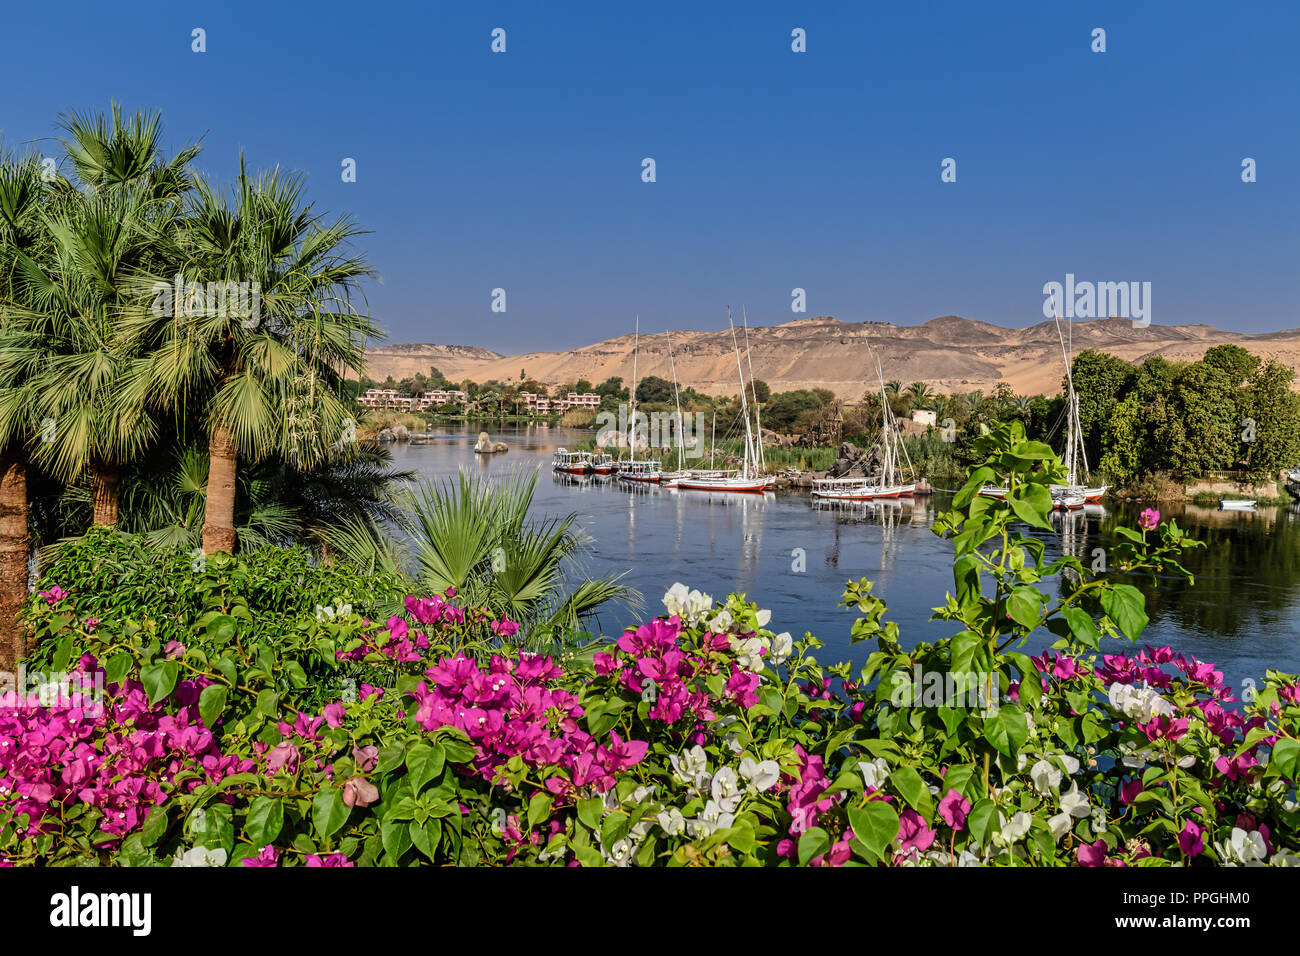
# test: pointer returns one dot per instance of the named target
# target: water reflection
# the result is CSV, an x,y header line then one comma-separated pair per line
x,y
1243,612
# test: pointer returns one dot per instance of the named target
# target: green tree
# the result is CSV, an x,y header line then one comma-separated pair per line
x,y
269,383
1101,382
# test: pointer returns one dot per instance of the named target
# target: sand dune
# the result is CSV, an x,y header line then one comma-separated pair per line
x,y
949,353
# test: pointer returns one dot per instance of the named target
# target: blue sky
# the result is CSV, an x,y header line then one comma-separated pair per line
x,y
775,169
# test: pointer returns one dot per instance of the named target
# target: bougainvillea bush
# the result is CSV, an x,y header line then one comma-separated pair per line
x,y
701,737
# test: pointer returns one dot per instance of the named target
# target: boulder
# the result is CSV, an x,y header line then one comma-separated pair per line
x,y
385,434
401,432
486,446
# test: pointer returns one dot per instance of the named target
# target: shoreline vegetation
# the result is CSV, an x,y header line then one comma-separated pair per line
x,y
345,721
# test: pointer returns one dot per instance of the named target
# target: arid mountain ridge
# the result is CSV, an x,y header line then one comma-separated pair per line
x,y
949,353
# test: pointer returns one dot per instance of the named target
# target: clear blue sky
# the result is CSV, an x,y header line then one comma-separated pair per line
x,y
775,170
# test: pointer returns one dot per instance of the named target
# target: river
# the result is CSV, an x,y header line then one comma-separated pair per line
x,y
793,555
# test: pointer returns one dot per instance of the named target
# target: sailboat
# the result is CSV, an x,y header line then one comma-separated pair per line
x,y
629,468
760,457
749,481
890,482
1073,494
672,479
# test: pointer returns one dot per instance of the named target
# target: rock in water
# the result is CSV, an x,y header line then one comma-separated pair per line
x,y
401,432
486,446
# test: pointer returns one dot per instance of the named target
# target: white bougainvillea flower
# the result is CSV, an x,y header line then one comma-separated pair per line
x,y
1059,825
1140,703
690,606
721,622
782,648
620,854
690,766
1075,803
711,819
1010,831
761,775
749,653
1284,857
725,788
672,821
875,773
1242,847
1046,776
1098,821
967,858
763,616
201,856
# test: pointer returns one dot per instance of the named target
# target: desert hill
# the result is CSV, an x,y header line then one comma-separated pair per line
x,y
949,353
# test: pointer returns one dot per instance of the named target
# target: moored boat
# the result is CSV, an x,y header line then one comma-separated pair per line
x,y
571,462
1237,504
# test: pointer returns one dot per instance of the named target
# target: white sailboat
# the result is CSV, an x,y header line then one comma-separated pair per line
x,y
760,456
629,468
749,481
1073,494
890,483
672,479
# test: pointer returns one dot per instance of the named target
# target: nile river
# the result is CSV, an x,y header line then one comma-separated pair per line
x,y
793,555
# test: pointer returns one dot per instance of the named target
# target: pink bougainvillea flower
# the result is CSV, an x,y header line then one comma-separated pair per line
x,y
174,649
367,691
359,792
283,756
1128,791
504,628
268,856
954,809
913,833
1092,854
334,713
54,595
334,859
365,758
1148,519
1189,840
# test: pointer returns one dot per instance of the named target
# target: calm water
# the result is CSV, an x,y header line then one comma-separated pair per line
x,y
1243,613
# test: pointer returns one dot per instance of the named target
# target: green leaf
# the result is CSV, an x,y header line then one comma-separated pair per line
x,y
268,703
813,842
396,836
913,789
1031,503
328,811
424,761
159,679
876,825
1127,608
212,703
117,667
1024,604
1285,758
265,820
983,821
590,812
1007,730
155,825
539,808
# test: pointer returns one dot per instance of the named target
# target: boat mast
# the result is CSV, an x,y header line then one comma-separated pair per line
x,y
631,420
744,403
760,457
1071,407
887,474
676,398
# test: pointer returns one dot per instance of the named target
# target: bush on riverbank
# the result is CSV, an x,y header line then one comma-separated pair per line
x,y
699,738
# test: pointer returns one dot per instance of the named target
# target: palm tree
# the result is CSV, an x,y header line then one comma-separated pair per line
x,y
22,196
101,236
474,535
269,374
922,395
893,387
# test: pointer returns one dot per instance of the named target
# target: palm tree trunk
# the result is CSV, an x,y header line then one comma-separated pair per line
x,y
104,481
219,516
13,557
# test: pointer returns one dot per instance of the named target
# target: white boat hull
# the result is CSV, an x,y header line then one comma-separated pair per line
x,y
738,485
1091,495
1234,504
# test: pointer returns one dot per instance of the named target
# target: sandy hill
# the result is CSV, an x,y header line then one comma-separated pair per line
x,y
949,353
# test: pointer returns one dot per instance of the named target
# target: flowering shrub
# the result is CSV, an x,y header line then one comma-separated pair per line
x,y
698,738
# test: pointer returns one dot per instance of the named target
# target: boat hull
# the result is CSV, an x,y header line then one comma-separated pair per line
x,y
749,486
